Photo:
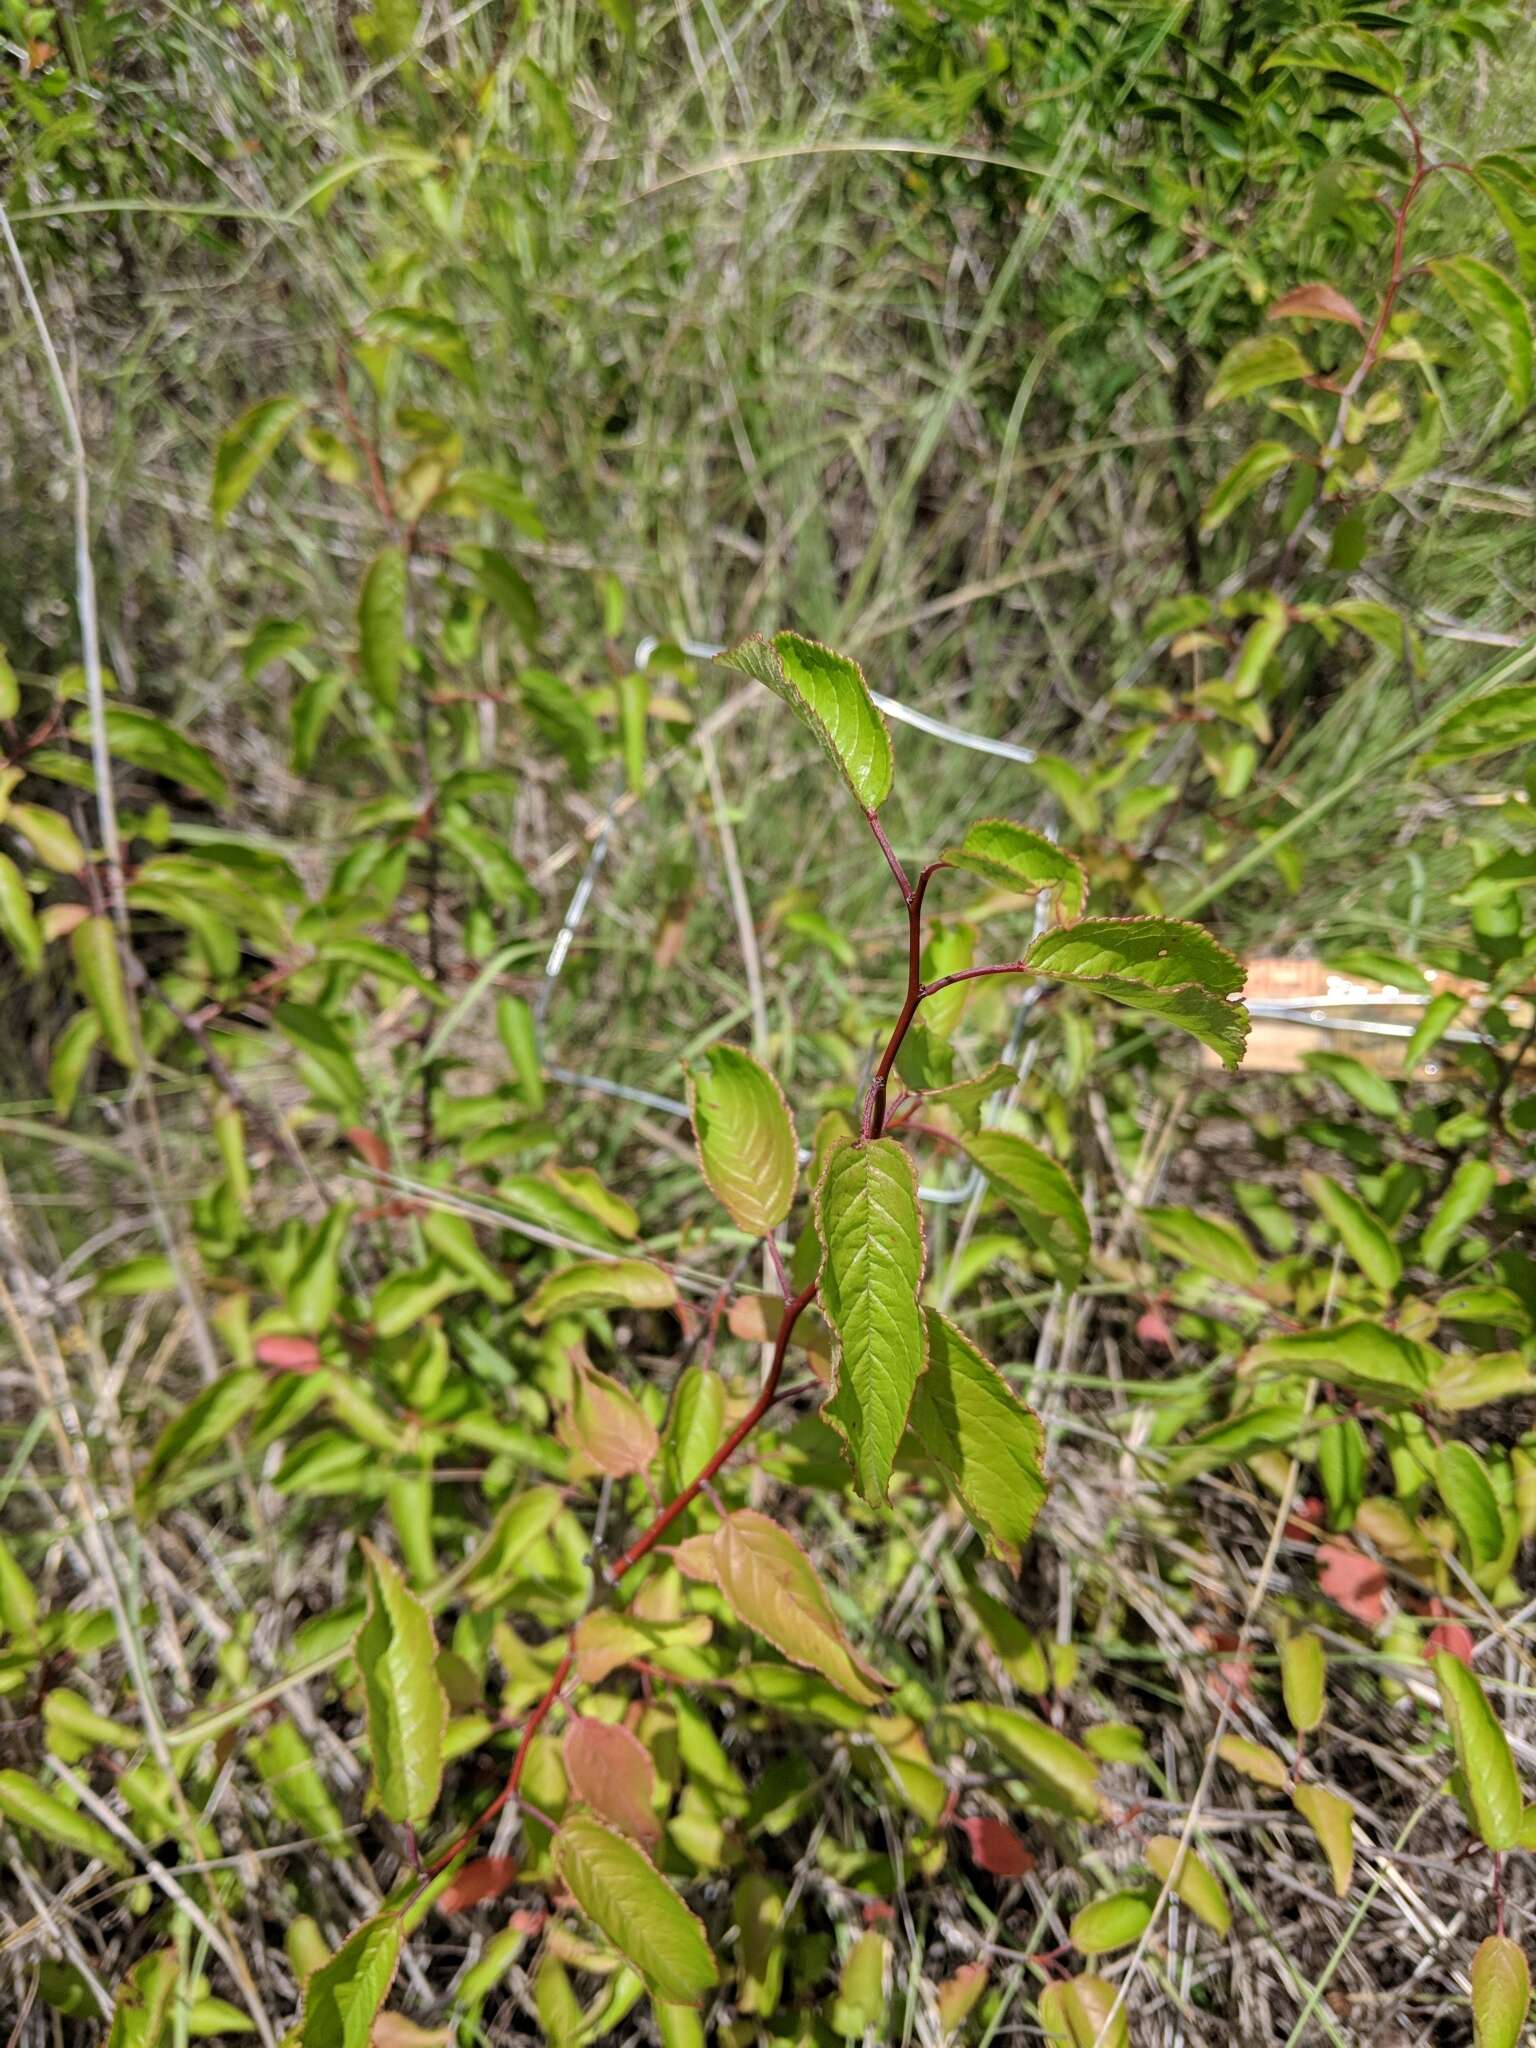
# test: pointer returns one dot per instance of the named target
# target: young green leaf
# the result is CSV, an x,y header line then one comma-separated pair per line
x,y
99,975
381,626
143,2004
206,1422
1364,1238
440,340
518,1032
1501,1992
964,1099
621,1891
771,1585
1060,1775
53,840
1076,2014
1248,474
606,1642
1040,1194
1494,724
1332,1820
26,1804
745,1136
407,1708
1361,1356
18,921
1209,1243
1254,1761
871,1274
1112,1922
342,1996
828,693
246,449
148,742
1016,858
407,1299
600,1283
1471,1185
1335,46
695,1427
1487,1767
1465,1487
1193,1881
987,1443
1253,364
1159,965
1497,316
1303,1679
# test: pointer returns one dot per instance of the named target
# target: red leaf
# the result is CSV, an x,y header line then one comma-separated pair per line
x,y
876,1910
995,1847
1305,1520
1153,1331
1450,1636
486,1878
1354,1581
368,1145
289,1354
610,1770
1315,302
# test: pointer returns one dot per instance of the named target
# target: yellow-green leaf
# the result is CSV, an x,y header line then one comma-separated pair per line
x,y
381,626
1255,363
143,2003
871,1274
745,1136
1248,474
1060,1775
1254,1761
1076,2015
1364,1238
987,1443
1160,965
1332,1820
51,837
1303,1680
1501,1992
829,694
1040,1194
1497,316
1106,1924
342,1996
99,975
1465,1487
1361,1356
1493,1786
246,449
407,1709
771,1585
29,1805
1339,46
18,921
600,1283
1193,1881
1014,857
621,1891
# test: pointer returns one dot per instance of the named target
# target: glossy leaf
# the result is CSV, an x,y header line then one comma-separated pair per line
x,y
1316,302
828,693
1337,46
1482,1751
745,1137
1017,858
871,1273
246,448
771,1585
621,1891
601,1283
987,1443
407,1709
18,921
1076,2014
53,840
695,1426
1040,1194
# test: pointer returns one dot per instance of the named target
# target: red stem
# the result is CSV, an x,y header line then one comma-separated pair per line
x,y
874,1102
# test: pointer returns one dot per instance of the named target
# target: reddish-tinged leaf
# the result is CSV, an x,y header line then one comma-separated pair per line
x,y
1233,1676
995,1847
610,1770
368,1146
876,1911
607,1424
288,1354
1315,302
487,1877
1153,1331
1355,1581
1453,1639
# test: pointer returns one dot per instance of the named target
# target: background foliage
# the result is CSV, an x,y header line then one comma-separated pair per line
x,y
1143,386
